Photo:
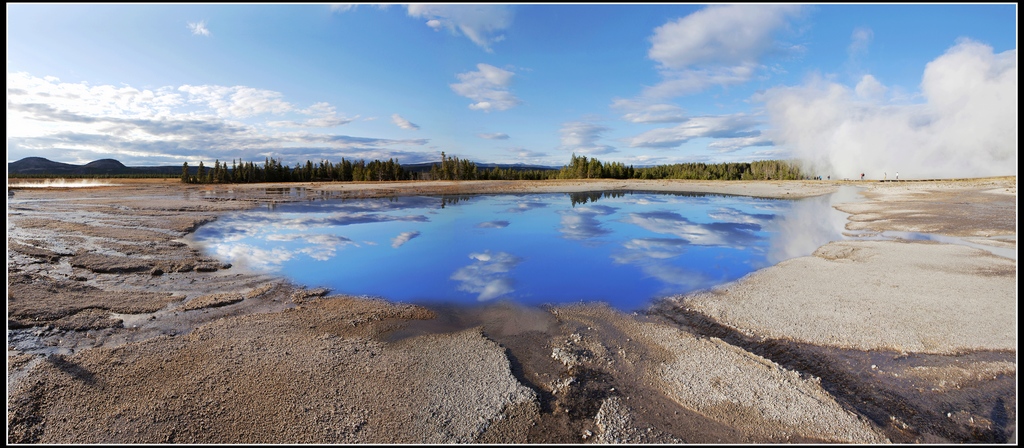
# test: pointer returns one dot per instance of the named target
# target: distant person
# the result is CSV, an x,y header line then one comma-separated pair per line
x,y
897,175
861,176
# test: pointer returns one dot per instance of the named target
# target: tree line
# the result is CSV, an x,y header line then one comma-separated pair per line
x,y
453,168
273,170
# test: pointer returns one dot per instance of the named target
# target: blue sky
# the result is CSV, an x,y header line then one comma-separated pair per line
x,y
927,90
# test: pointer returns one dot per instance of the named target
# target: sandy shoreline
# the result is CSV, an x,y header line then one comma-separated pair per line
x,y
119,331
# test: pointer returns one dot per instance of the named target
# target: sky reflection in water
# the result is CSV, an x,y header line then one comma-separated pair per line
x,y
623,248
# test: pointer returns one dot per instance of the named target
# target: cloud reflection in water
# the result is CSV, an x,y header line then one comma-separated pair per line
x,y
487,275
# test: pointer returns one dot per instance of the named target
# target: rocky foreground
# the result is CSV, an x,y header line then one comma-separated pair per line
x,y
120,330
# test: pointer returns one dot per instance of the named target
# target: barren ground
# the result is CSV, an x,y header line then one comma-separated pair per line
x,y
119,331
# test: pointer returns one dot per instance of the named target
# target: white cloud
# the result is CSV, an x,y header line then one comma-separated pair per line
x,y
859,40
494,136
343,7
727,145
581,223
403,123
199,28
641,112
718,45
523,153
403,238
488,87
722,126
727,234
487,275
481,23
237,101
870,89
493,225
267,260
581,137
686,82
324,116
719,35
966,125
79,123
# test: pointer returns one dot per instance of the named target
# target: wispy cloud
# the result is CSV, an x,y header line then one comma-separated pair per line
x,y
525,206
727,145
523,153
494,136
481,23
646,112
403,123
860,40
581,223
639,249
965,125
722,126
488,87
343,7
728,234
403,238
199,28
487,276
581,137
493,225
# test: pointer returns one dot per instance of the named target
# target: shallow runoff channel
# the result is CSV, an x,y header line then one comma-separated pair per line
x,y
625,248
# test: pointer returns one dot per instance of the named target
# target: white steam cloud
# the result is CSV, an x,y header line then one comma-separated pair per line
x,y
966,125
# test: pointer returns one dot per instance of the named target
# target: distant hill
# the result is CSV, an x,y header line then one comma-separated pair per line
x,y
41,166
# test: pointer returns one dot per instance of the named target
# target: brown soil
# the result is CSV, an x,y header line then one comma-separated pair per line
x,y
119,331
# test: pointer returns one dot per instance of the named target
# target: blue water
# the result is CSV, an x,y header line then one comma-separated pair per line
x,y
623,248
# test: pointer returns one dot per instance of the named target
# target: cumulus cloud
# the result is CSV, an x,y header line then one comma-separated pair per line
x,y
487,276
581,137
712,35
705,48
237,101
256,258
481,23
403,123
494,136
79,123
870,89
199,28
722,126
965,125
403,238
488,87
